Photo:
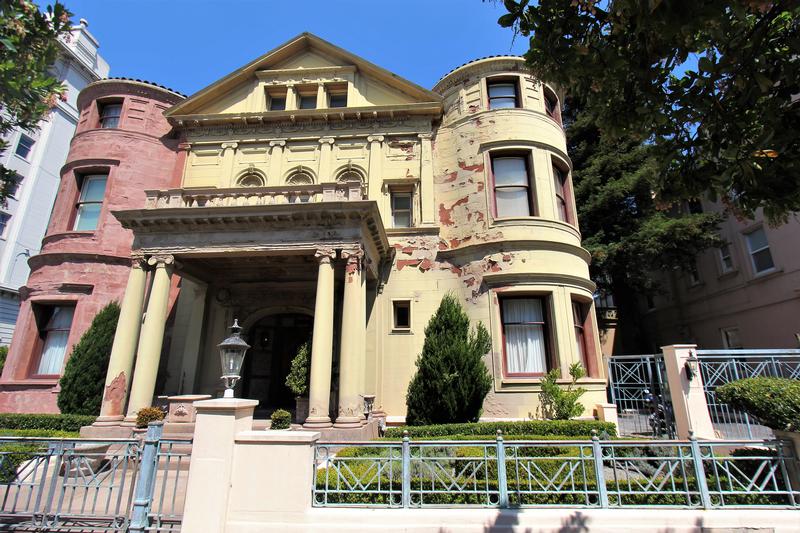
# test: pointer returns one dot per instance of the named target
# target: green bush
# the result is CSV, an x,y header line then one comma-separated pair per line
x,y
85,373
559,403
3,355
145,415
452,380
57,433
774,401
50,422
567,428
281,419
300,371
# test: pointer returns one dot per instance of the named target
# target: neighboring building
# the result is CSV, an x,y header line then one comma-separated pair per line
x,y
745,294
37,158
313,194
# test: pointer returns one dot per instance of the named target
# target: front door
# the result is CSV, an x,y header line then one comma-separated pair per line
x,y
275,340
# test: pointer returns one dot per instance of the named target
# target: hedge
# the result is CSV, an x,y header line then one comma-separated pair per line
x,y
566,428
54,422
774,401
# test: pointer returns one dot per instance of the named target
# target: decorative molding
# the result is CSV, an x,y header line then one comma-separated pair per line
x,y
195,128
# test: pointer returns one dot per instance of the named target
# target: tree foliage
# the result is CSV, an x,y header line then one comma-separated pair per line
x,y
85,372
299,376
558,403
712,84
451,380
774,401
28,47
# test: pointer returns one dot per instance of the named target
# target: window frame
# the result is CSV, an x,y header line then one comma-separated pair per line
x,y
402,191
43,313
21,141
752,252
724,269
726,341
550,359
82,181
548,96
559,168
503,80
693,275
102,106
525,155
307,96
4,223
401,302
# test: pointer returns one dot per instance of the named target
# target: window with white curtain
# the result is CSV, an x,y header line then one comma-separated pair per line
x,y
55,334
524,334
512,186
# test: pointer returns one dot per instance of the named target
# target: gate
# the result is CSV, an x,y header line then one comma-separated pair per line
x,y
719,367
61,485
637,385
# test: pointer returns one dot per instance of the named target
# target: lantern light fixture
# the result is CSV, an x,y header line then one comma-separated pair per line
x,y
231,355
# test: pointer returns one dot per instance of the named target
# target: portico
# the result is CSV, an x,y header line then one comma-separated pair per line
x,y
256,259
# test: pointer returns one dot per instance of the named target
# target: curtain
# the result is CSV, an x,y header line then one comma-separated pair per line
x,y
55,342
525,345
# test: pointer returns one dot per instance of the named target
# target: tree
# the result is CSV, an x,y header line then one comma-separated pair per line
x,y
451,380
629,234
85,373
712,84
28,47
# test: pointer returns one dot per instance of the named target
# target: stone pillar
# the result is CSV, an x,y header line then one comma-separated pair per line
x,y
351,352
120,364
375,177
324,171
322,344
275,161
208,486
362,325
228,158
689,405
426,200
152,337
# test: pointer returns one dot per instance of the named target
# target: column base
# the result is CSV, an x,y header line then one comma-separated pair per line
x,y
129,420
348,422
317,422
115,420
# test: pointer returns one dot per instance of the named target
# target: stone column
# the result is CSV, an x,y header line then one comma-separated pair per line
x,y
120,364
322,344
375,163
426,201
351,351
275,161
152,337
689,405
228,158
324,171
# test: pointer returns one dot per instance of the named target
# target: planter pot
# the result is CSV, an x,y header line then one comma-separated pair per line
x,y
301,409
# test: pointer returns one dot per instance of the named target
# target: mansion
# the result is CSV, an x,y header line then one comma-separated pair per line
x,y
311,195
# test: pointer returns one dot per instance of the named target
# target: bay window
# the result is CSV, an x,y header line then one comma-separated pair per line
x,y
90,201
562,194
524,335
503,93
110,114
56,322
513,195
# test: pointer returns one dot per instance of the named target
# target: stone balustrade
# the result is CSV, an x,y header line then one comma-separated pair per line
x,y
248,196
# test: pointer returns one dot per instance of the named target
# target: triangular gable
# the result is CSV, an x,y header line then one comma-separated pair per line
x,y
379,87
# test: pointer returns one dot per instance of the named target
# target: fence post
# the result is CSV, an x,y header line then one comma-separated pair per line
x,y
599,475
502,481
689,404
406,487
146,477
699,471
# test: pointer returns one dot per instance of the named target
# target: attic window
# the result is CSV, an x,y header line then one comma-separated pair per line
x,y
307,101
338,100
277,103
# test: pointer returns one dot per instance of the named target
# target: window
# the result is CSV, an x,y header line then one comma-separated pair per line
x,y
277,102
109,115
4,218
560,179
694,275
524,336
759,251
57,322
93,189
725,258
730,338
337,100
24,146
579,321
401,312
503,93
401,209
12,186
307,101
551,105
512,194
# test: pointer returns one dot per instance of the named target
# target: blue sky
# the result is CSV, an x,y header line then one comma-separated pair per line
x,y
188,44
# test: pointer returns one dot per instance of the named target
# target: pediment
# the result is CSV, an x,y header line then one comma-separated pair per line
x,y
307,66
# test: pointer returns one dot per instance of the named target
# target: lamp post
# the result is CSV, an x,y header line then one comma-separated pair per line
x,y
231,355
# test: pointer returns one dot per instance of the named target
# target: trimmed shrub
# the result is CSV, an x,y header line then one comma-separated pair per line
x,y
300,371
567,428
281,419
559,403
452,380
774,401
145,415
48,422
85,373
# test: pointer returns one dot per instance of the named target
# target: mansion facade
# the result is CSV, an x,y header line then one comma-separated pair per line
x,y
314,196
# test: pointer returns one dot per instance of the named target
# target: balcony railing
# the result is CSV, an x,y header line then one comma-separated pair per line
x,y
250,196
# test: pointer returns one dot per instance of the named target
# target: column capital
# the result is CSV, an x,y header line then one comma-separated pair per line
x,y
161,260
137,260
184,146
353,255
232,145
277,142
375,138
325,255
327,140
425,135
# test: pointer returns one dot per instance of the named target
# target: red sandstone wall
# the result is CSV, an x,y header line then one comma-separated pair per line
x,y
90,269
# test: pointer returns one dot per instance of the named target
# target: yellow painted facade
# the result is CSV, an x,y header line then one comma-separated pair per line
x,y
297,171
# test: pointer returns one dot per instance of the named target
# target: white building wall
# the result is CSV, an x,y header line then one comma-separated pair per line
x,y
30,207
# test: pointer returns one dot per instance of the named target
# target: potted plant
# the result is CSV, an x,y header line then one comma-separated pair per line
x,y
298,379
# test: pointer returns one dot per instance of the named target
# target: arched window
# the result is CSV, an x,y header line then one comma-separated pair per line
x,y
350,174
251,179
300,176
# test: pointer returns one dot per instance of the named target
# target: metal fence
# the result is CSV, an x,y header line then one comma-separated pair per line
x,y
595,473
49,484
637,385
719,367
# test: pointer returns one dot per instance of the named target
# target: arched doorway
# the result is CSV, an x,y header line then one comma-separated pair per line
x,y
274,341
